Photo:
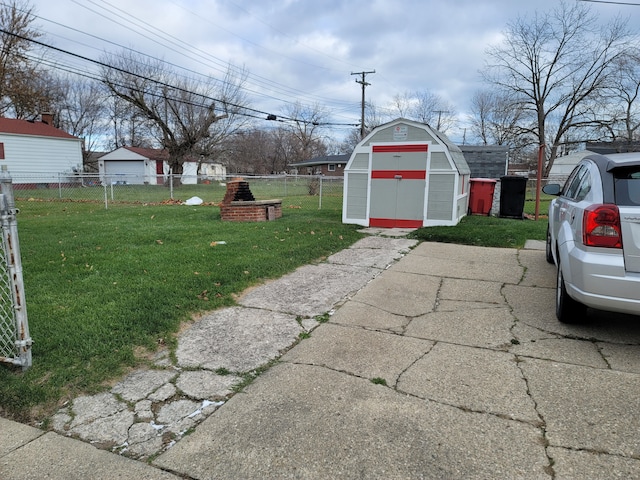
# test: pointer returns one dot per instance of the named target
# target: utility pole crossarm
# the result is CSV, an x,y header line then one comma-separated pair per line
x,y
364,84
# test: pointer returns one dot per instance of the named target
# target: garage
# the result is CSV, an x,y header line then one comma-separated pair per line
x,y
124,172
133,166
405,174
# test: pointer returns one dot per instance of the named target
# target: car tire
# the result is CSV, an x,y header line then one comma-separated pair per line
x,y
568,310
548,249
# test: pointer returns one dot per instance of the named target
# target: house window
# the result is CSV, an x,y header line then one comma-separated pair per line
x,y
331,167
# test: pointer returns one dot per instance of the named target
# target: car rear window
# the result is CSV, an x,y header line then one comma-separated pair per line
x,y
627,186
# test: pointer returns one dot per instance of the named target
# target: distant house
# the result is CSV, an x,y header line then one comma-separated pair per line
x,y
36,152
619,146
212,171
135,165
564,165
328,165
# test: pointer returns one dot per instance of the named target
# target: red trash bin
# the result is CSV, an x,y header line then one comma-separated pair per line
x,y
481,195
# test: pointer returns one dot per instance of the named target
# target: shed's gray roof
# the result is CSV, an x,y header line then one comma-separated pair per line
x,y
455,152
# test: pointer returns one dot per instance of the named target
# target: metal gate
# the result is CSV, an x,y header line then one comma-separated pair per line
x,y
15,342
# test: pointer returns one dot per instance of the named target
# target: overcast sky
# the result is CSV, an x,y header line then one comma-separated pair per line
x,y
306,50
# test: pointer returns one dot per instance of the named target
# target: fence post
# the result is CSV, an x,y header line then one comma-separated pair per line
x,y
59,186
106,200
14,267
320,194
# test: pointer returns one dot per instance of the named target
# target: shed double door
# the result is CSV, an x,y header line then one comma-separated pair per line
x,y
398,185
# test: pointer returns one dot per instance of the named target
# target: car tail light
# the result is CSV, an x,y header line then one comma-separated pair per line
x,y
601,226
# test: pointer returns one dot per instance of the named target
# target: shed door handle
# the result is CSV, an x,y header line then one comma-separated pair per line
x,y
398,177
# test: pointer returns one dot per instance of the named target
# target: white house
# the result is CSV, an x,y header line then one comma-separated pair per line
x,y
36,152
134,165
563,166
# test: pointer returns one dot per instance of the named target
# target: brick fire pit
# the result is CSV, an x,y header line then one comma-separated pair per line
x,y
239,205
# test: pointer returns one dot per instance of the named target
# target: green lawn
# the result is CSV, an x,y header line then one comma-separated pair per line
x,y
492,231
105,287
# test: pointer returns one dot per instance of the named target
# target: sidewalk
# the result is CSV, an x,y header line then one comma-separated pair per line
x,y
448,364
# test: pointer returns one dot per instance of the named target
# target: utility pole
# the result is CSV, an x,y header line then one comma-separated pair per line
x,y
440,112
364,85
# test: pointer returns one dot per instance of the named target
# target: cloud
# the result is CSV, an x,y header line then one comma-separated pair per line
x,y
299,50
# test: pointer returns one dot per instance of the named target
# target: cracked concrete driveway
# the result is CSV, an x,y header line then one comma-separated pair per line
x,y
450,364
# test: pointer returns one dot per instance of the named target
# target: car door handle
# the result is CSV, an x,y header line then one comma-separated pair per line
x,y
398,177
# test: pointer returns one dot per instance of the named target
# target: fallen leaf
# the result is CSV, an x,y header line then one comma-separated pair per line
x,y
159,242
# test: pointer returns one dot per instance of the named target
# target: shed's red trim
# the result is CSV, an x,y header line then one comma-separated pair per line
x,y
394,222
399,148
405,174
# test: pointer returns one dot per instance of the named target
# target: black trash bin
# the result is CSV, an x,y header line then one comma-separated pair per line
x,y
513,189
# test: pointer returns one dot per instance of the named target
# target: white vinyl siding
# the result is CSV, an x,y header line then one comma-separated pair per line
x,y
33,159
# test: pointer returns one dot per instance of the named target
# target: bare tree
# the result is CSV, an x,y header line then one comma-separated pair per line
x,y
426,107
81,111
618,109
25,87
305,127
495,118
126,125
181,111
249,152
555,63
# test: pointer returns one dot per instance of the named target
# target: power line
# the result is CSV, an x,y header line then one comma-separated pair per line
x,y
268,116
182,48
203,58
612,2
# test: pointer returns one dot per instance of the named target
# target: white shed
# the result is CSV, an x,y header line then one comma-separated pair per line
x,y
405,174
35,152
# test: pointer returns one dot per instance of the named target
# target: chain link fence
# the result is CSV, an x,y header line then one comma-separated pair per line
x,y
296,191
15,342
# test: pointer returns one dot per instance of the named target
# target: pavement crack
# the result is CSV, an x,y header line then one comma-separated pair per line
x,y
599,348
542,425
524,268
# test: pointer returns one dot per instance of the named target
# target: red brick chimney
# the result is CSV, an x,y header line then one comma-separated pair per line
x,y
47,118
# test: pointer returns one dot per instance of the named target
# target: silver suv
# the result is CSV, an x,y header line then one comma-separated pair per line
x,y
593,237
